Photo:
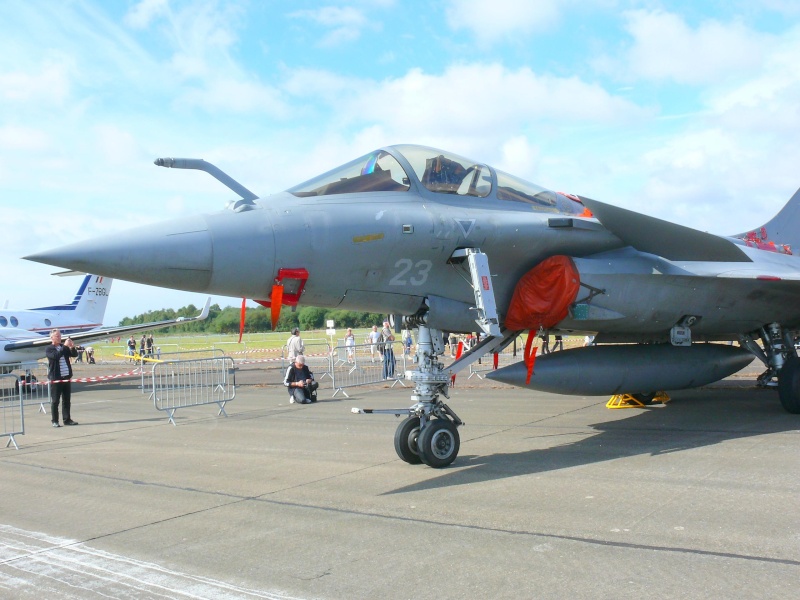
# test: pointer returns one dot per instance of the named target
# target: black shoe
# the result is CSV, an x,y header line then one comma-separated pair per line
x,y
70,422
55,424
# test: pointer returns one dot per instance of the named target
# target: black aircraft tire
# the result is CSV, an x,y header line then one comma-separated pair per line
x,y
645,398
789,385
439,443
405,441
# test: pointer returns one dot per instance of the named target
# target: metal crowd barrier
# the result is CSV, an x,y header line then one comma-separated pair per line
x,y
12,413
33,382
180,384
358,365
342,353
175,356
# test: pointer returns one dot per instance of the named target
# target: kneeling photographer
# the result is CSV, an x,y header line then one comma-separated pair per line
x,y
300,382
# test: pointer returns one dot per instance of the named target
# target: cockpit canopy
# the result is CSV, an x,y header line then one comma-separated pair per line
x,y
376,172
447,173
437,171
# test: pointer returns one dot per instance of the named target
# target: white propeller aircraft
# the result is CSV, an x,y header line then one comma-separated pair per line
x,y
24,333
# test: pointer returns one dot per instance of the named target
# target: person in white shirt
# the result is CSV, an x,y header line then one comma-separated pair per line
x,y
374,338
294,345
350,344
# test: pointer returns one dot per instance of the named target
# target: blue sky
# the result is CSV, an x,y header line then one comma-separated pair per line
x,y
685,110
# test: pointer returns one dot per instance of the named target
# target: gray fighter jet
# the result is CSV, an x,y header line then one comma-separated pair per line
x,y
451,244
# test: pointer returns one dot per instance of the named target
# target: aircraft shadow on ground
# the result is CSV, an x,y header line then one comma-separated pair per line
x,y
693,419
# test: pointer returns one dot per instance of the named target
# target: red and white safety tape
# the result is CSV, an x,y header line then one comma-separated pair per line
x,y
265,360
133,373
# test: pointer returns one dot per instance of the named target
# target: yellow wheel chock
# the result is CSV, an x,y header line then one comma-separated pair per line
x,y
629,401
139,358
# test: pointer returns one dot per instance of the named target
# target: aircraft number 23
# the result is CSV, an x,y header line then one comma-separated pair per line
x,y
415,273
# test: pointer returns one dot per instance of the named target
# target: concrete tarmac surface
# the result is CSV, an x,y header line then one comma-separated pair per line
x,y
550,497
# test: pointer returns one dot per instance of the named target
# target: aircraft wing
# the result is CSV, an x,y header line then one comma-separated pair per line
x,y
103,332
662,238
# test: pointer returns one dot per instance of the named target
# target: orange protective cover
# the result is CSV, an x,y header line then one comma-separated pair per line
x,y
543,295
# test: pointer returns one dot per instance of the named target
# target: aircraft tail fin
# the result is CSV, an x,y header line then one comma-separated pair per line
x,y
90,301
782,230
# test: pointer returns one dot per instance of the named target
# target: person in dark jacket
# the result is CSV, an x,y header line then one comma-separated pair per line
x,y
300,381
59,371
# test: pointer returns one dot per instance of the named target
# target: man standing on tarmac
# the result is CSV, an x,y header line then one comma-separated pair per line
x,y
374,338
294,345
59,371
131,348
387,337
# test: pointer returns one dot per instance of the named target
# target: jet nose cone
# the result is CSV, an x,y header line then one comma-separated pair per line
x,y
175,254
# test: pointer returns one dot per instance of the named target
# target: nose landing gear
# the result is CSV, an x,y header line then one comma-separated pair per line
x,y
429,435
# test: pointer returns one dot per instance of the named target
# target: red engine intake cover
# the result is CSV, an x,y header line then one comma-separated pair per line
x,y
543,295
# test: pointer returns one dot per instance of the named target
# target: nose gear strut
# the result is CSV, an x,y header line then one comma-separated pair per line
x,y
429,433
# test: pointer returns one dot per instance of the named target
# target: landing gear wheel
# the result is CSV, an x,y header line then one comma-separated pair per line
x,y
439,443
405,441
645,398
789,385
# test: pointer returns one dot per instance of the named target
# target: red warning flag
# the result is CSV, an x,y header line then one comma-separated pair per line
x,y
241,318
275,304
459,352
530,356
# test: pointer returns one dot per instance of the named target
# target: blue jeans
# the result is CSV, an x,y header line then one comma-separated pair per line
x,y
388,363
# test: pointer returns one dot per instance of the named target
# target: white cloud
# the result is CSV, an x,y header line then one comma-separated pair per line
x,y
205,33
48,84
481,100
774,88
308,84
519,155
117,146
145,12
218,93
665,48
16,138
332,16
786,7
496,20
345,23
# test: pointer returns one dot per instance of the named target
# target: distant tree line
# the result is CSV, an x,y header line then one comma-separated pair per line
x,y
226,320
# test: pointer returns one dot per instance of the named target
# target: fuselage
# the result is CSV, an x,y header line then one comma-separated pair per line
x,y
380,234
40,324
